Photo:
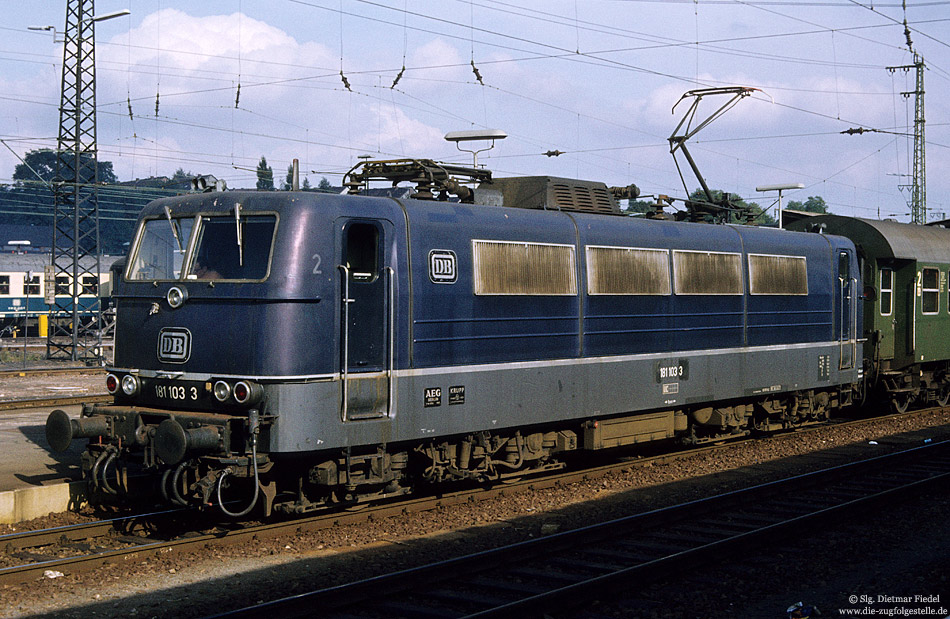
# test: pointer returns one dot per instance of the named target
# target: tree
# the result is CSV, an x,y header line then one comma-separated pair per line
x,y
39,166
181,175
265,175
288,184
814,204
324,184
306,184
639,207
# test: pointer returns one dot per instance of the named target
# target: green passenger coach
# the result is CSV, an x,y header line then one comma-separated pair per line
x,y
907,304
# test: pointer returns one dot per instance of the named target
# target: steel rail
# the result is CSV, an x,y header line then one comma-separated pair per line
x,y
17,373
27,539
565,570
15,405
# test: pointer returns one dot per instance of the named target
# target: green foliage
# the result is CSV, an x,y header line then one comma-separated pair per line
x,y
761,217
324,184
814,204
288,183
265,175
639,207
305,186
39,166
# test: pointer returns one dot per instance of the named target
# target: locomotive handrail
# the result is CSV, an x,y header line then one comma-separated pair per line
x,y
847,288
391,276
854,320
345,362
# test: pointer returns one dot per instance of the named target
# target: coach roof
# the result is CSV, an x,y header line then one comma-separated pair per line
x,y
885,239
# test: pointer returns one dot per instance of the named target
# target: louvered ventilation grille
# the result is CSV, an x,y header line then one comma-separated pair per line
x,y
582,199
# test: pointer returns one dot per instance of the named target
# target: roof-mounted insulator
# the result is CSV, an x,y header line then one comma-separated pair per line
x,y
398,77
478,75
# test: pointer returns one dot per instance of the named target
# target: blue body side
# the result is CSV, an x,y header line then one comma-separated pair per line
x,y
520,359
453,326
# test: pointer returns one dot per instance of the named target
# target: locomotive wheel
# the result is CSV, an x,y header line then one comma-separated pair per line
x,y
901,401
942,395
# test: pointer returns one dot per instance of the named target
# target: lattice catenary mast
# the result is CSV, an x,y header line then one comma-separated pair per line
x,y
75,322
918,186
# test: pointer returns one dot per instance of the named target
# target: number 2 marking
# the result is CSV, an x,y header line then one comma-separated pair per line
x,y
316,267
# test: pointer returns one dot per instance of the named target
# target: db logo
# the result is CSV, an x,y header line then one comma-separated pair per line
x,y
174,345
442,266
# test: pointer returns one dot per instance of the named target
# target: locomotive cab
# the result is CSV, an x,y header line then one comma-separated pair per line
x,y
217,306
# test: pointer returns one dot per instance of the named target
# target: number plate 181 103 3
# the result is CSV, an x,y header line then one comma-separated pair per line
x,y
176,391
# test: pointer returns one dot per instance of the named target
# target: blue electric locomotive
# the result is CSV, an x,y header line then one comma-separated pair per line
x,y
309,348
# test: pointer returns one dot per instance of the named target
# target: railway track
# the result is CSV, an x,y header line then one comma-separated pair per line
x,y
78,548
14,405
33,372
573,569
51,401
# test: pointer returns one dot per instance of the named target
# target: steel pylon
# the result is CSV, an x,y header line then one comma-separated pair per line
x,y
75,321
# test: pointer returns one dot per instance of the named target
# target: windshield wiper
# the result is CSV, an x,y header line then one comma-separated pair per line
x,y
237,224
174,224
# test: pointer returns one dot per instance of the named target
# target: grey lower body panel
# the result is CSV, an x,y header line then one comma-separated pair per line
x,y
428,403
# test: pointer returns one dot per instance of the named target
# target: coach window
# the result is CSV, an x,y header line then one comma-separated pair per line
x,y
887,292
62,286
31,285
930,291
4,284
90,284
362,251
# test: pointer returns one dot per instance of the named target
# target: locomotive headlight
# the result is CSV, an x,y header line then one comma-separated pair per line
x,y
176,297
112,383
221,390
130,385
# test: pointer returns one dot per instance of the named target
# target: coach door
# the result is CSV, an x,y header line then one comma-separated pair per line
x,y
367,320
847,311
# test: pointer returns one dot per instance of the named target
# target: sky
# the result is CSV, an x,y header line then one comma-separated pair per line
x,y
210,87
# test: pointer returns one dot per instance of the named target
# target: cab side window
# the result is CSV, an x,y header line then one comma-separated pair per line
x,y
362,253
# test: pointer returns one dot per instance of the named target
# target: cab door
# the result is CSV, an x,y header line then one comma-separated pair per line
x,y
367,319
847,310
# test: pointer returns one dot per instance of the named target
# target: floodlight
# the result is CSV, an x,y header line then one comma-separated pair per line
x,y
106,16
475,134
780,188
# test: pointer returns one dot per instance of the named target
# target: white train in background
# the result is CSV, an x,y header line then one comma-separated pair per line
x,y
24,286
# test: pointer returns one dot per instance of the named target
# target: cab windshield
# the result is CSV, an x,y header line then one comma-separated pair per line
x,y
207,247
161,249
226,249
